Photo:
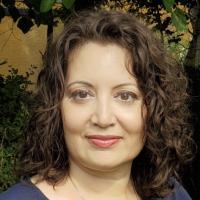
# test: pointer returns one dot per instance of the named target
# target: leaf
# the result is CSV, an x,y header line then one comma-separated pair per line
x,y
24,24
68,3
168,4
46,5
46,18
179,20
14,101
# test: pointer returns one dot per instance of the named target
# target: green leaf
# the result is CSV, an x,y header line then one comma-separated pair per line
x,y
46,5
68,3
179,20
168,4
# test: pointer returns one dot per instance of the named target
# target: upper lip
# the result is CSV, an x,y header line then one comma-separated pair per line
x,y
104,137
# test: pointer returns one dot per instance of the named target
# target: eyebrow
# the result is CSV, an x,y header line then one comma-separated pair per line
x,y
79,82
90,85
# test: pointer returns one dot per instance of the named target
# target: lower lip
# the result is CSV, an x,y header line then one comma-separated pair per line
x,y
104,143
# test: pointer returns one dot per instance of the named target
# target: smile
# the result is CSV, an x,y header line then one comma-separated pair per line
x,y
104,141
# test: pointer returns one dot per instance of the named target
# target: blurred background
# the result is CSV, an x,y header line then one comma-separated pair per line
x,y
27,28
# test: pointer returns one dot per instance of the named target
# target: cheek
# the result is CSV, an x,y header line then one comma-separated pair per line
x,y
74,119
132,120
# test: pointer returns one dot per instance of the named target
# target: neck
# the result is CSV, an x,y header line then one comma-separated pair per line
x,y
100,184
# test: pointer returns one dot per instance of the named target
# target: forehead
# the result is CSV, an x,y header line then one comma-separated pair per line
x,y
100,58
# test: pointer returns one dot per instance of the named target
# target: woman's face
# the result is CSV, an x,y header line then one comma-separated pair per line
x,y
102,110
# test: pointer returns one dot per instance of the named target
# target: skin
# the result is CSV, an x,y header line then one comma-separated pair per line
x,y
104,108
102,98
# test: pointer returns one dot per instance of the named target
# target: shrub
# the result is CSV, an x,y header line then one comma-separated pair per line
x,y
14,101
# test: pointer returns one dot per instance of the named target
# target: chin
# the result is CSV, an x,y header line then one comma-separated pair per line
x,y
106,166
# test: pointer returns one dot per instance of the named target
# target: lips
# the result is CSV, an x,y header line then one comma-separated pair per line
x,y
103,141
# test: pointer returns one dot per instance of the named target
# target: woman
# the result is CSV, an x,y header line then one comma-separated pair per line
x,y
110,120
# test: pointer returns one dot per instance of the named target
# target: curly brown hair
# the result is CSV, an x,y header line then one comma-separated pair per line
x,y
161,80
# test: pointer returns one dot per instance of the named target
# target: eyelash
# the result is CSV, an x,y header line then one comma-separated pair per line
x,y
130,94
76,95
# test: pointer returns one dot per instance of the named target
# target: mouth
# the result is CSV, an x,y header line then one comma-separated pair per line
x,y
103,141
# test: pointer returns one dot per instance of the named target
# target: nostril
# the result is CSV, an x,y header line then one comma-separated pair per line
x,y
103,115
103,121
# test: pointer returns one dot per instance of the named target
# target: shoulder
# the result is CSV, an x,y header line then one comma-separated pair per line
x,y
22,191
178,193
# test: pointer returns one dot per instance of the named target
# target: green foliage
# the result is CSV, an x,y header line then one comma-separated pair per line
x,y
46,5
37,12
168,4
68,3
178,17
179,20
178,50
14,101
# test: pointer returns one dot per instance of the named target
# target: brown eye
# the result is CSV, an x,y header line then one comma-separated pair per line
x,y
80,95
126,96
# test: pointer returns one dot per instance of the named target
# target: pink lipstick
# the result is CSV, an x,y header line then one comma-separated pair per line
x,y
103,141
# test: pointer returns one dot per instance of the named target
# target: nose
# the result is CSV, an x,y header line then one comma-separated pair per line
x,y
103,115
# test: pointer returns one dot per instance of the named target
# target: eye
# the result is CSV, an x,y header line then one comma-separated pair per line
x,y
126,96
81,94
